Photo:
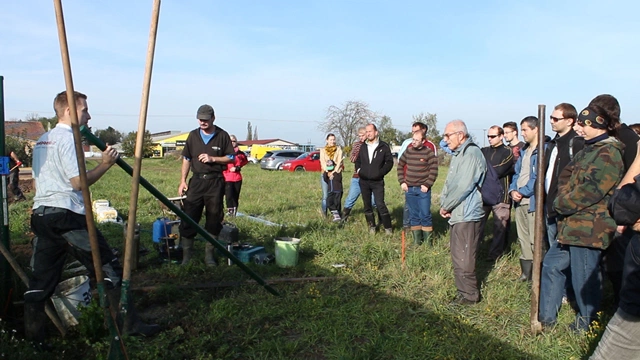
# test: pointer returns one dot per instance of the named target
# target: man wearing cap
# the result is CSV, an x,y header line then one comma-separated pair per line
x,y
207,151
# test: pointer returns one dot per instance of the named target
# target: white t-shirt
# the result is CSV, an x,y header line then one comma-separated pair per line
x,y
552,164
371,148
54,164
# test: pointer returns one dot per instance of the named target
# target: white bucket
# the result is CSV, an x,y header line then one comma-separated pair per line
x,y
68,296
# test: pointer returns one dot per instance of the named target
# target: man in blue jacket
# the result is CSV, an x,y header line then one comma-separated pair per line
x,y
522,193
461,203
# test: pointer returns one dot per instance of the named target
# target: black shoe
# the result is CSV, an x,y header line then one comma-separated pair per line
x,y
461,300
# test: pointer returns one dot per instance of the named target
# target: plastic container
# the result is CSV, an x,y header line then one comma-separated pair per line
x,y
68,296
245,253
287,251
161,228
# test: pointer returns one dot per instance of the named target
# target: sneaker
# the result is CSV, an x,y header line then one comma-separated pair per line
x,y
565,300
336,216
388,231
372,230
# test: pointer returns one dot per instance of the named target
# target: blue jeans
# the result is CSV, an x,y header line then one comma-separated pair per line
x,y
552,230
419,204
586,279
354,194
325,193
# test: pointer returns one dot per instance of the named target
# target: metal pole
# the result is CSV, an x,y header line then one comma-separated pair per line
x,y
163,199
6,287
536,327
91,226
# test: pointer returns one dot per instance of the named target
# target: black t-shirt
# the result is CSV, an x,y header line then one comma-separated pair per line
x,y
218,145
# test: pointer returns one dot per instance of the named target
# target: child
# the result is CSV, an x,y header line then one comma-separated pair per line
x,y
334,198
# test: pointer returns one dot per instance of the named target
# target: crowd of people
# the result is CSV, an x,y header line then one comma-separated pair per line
x,y
591,210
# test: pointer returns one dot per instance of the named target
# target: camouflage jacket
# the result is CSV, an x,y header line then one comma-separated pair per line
x,y
584,189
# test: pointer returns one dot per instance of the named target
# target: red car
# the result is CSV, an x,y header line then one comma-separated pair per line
x,y
305,162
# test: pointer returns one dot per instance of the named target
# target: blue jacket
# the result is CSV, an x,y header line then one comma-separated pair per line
x,y
528,190
461,193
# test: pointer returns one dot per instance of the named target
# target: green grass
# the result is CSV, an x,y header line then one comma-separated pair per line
x,y
374,308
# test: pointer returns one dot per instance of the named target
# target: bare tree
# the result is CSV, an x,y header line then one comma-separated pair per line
x,y
345,121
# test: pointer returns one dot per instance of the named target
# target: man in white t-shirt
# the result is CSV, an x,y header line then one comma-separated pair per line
x,y
59,224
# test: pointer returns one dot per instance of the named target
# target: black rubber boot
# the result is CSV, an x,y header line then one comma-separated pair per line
x,y
527,267
34,325
417,237
209,255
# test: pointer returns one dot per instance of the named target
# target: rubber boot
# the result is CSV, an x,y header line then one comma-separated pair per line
x,y
34,325
417,237
426,237
209,255
527,267
187,250
132,325
345,214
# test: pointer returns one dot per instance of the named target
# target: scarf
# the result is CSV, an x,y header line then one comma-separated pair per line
x,y
330,150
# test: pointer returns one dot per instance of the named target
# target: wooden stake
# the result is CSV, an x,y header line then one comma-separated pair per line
x,y
536,326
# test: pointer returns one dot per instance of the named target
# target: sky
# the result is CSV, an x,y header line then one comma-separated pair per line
x,y
281,64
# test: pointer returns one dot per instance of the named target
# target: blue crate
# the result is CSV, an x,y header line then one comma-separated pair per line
x,y
245,253
4,165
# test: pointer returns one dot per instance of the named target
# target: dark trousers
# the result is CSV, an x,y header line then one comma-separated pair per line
x,y
375,187
59,232
204,194
14,184
334,201
232,193
465,237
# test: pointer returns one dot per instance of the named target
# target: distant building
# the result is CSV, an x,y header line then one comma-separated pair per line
x,y
29,131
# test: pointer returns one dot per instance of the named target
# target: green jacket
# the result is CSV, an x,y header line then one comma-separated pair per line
x,y
584,189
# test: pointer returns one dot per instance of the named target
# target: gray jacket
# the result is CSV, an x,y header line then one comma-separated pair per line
x,y
461,194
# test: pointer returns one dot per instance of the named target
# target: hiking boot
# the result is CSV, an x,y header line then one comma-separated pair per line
x,y
345,214
461,300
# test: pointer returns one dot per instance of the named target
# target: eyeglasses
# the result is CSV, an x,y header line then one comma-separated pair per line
x,y
492,136
555,119
446,136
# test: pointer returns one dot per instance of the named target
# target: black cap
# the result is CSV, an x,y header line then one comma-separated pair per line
x,y
624,205
205,112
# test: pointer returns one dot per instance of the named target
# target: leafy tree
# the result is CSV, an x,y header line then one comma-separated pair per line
x,y
129,144
344,121
388,133
20,147
431,120
47,123
109,135
249,133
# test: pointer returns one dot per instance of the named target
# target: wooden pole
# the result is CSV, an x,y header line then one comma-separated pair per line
x,y
539,229
91,226
403,247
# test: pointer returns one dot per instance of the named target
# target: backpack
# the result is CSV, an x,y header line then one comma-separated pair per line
x,y
491,190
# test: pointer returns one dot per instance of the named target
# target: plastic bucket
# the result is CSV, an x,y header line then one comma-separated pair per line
x,y
287,251
68,296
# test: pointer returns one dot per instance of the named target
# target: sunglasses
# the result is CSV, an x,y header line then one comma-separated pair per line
x,y
555,119
492,136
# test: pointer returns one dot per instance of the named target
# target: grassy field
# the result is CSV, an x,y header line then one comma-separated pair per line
x,y
372,308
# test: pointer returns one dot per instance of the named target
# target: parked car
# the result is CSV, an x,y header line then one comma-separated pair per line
x,y
250,158
305,162
273,160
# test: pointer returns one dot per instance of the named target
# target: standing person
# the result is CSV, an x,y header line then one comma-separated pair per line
x,y
331,175
561,150
461,203
233,178
614,255
14,176
416,127
332,152
522,192
417,172
373,163
354,188
59,223
511,137
207,151
585,228
500,157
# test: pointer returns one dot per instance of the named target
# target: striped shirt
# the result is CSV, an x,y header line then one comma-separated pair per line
x,y
355,150
418,167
